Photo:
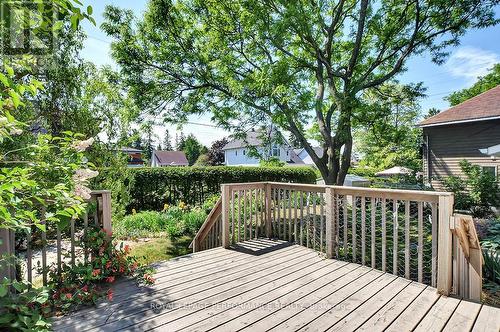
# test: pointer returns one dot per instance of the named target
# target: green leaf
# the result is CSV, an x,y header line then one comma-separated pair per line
x,y
90,10
3,290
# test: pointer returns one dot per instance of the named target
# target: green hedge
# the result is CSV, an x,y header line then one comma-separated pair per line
x,y
151,188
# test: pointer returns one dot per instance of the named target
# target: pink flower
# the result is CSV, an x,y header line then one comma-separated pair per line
x,y
96,272
110,279
82,192
110,294
82,175
85,288
69,296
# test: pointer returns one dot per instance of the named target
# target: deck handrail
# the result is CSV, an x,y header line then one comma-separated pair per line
x,y
101,218
212,218
404,232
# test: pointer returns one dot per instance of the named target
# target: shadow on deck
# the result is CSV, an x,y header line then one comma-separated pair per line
x,y
264,285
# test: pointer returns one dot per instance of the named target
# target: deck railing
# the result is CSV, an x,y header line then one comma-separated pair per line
x,y
99,213
407,233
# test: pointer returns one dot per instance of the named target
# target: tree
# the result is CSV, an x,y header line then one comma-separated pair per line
x,y
295,142
386,133
180,140
432,111
192,148
215,155
167,141
491,80
291,62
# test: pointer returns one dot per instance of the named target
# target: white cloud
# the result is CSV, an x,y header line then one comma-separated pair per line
x,y
471,62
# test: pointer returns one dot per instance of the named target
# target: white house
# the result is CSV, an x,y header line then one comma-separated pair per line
x,y
238,151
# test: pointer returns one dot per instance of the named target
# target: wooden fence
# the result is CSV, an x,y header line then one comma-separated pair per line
x,y
99,213
411,234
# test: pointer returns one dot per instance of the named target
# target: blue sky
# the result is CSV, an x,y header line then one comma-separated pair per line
x,y
479,50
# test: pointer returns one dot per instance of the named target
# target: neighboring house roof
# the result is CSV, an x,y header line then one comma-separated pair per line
x,y
485,106
398,170
170,158
317,149
295,159
493,151
130,150
253,138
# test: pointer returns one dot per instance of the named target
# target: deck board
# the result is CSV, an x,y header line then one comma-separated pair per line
x,y
263,285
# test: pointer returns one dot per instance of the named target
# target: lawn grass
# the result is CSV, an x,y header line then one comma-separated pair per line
x,y
160,249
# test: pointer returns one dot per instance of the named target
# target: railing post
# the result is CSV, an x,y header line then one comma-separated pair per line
x,y
268,203
225,215
106,211
445,240
331,207
6,251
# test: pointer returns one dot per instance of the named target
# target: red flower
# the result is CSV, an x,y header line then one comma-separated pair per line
x,y
108,264
85,288
69,296
127,249
110,294
122,269
96,272
110,279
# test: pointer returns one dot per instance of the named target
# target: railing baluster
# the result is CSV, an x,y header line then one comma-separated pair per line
x,y
44,248
373,237
301,218
322,223
407,239
58,231
244,215
354,226
72,238
308,226
239,216
434,218
363,230
85,231
29,257
280,233
384,235
337,225
395,229
314,221
420,241
290,222
250,203
295,201
344,215
233,203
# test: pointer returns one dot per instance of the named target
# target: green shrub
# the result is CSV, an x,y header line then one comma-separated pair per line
x,y
152,188
175,222
478,192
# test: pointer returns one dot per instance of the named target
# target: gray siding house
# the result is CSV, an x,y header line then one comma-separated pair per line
x,y
470,131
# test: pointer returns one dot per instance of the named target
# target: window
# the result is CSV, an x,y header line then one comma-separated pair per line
x,y
244,152
236,152
492,170
276,151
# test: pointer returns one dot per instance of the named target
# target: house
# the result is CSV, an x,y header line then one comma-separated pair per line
x,y
134,156
238,152
305,157
169,158
470,130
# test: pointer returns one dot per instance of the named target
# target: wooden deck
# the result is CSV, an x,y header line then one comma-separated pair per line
x,y
265,285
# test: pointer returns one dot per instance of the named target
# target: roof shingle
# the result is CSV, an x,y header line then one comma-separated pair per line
x,y
171,158
481,107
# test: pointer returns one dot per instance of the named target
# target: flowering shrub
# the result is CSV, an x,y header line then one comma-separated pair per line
x,y
88,281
